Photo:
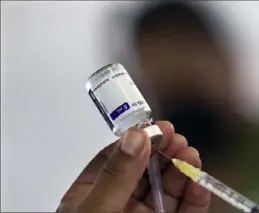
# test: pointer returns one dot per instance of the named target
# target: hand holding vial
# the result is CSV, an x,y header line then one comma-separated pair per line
x,y
116,181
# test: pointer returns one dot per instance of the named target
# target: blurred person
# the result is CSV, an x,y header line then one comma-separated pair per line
x,y
192,80
191,77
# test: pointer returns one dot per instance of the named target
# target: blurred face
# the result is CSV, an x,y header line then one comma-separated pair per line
x,y
191,79
183,64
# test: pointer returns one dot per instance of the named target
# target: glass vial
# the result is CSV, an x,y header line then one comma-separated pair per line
x,y
120,102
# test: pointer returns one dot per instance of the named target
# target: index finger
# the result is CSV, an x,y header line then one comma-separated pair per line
x,y
171,144
168,132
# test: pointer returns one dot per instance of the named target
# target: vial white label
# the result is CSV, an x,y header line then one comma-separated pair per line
x,y
116,96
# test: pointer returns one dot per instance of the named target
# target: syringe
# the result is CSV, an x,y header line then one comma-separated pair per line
x,y
215,186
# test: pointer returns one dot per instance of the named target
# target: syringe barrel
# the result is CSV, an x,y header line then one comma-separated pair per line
x,y
224,192
156,184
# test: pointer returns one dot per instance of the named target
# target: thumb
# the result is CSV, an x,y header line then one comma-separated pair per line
x,y
120,174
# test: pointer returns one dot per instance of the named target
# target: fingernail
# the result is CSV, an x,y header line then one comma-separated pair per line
x,y
195,151
132,142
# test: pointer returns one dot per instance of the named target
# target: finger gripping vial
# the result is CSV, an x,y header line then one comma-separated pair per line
x,y
120,102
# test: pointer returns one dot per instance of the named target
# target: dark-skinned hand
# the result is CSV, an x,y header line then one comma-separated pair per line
x,y
116,179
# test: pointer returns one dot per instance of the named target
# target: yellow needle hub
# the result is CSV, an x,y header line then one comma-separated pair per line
x,y
187,169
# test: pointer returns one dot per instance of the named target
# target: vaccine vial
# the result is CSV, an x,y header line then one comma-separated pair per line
x,y
120,102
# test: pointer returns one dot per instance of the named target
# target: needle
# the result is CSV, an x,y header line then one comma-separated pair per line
x,y
215,186
161,153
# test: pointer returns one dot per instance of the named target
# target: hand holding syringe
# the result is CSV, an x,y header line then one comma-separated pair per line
x,y
215,186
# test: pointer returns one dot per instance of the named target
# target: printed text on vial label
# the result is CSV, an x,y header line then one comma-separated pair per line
x,y
123,107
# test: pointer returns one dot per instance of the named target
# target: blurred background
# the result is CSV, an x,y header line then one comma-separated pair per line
x,y
196,64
